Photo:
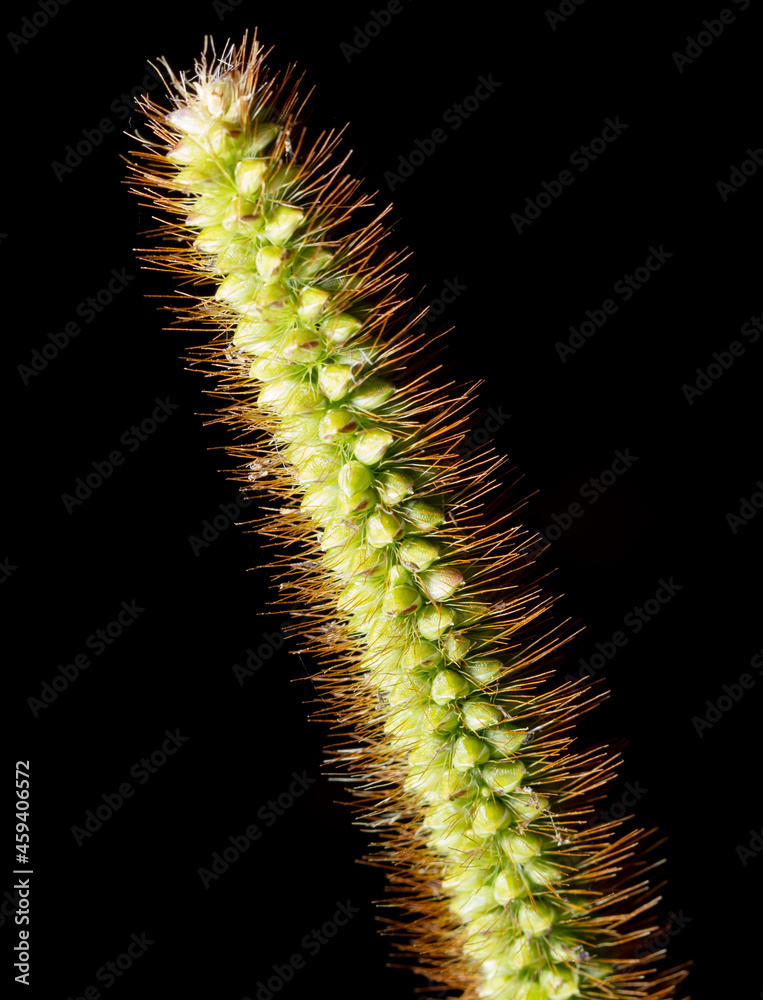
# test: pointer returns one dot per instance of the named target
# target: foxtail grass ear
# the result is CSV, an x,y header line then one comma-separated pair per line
x,y
434,634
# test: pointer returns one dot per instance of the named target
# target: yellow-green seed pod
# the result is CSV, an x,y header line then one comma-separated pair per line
x,y
507,886
560,983
299,427
454,783
520,847
354,478
315,263
232,258
383,529
366,562
503,777
485,936
254,336
393,487
529,806
426,749
543,872
438,717
408,688
334,423
357,503
301,346
535,918
401,600
269,262
469,751
417,554
311,303
468,905
456,647
449,685
242,218
289,397
441,583
480,714
335,381
250,176
186,151
192,121
432,621
339,329
212,240
490,817
283,223
318,466
321,498
424,516
372,394
505,738
238,289
483,672
338,532
420,654
269,366
372,445
264,133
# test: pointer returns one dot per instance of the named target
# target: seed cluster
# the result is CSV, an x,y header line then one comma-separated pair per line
x,y
407,574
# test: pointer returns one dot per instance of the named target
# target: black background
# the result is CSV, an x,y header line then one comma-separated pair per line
x,y
666,517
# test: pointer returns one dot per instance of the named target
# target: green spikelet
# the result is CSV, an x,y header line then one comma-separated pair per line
x,y
409,578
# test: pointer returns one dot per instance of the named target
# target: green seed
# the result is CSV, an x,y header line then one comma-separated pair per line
x,y
417,554
432,621
335,381
479,714
336,422
469,751
371,445
449,685
401,600
339,329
